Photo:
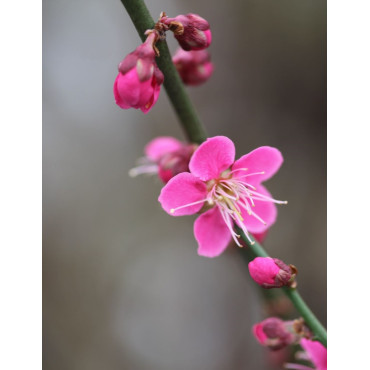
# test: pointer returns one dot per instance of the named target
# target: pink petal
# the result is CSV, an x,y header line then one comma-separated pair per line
x,y
160,146
211,233
316,352
265,159
181,190
146,100
154,89
259,334
117,96
260,237
212,157
267,211
129,88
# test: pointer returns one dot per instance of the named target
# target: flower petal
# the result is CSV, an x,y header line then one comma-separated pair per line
x,y
181,190
316,352
265,158
128,87
160,146
211,233
212,157
267,211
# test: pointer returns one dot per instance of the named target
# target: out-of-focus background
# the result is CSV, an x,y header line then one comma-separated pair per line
x,y
123,286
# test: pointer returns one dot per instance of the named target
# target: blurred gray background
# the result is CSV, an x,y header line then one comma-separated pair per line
x,y
123,286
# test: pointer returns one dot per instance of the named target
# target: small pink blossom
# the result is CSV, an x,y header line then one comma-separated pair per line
x,y
227,192
315,352
191,31
271,272
274,333
165,156
139,80
193,66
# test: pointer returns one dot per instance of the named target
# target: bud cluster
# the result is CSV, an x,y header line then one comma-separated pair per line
x,y
139,79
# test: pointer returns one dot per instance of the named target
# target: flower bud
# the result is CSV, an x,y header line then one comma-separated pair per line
x,y
191,31
271,272
275,333
194,66
139,79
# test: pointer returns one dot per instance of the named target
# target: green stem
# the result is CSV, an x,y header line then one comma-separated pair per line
x,y
189,119
195,132
308,316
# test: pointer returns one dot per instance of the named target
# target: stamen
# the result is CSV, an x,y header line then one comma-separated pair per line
x,y
238,169
232,195
145,169
173,210
251,174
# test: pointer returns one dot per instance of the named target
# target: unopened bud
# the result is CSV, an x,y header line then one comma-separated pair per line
x,y
272,272
191,31
194,66
139,80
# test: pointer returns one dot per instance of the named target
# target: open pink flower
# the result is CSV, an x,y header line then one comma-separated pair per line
x,y
229,192
315,352
194,66
139,80
165,156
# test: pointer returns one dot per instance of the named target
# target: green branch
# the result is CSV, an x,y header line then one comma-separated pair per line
x,y
189,119
195,132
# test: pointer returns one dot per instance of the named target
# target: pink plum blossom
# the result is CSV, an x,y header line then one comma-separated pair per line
x,y
274,333
190,30
225,191
139,80
194,66
315,352
165,156
271,272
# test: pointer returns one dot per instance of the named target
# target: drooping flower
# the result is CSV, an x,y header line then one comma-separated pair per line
x,y
190,30
315,352
275,333
165,156
271,272
139,80
193,66
227,192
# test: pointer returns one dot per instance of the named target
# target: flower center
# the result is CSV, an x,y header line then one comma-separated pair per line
x,y
232,194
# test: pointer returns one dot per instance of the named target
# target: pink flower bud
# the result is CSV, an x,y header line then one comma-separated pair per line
x,y
191,31
275,333
139,79
193,66
271,272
